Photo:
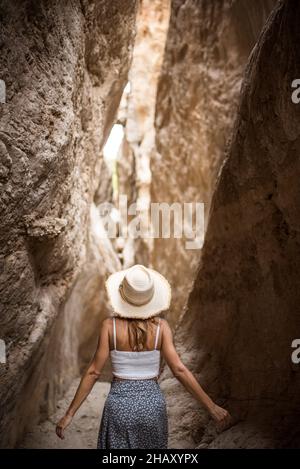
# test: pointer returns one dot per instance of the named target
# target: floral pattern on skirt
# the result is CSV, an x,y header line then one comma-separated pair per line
x,y
134,416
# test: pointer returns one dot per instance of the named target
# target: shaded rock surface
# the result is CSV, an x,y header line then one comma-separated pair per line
x,y
208,44
64,72
242,313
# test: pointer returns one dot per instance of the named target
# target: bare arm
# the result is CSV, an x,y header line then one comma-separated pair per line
x,y
181,372
88,379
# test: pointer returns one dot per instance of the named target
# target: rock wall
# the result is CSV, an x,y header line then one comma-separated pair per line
x,y
65,65
242,313
208,44
139,140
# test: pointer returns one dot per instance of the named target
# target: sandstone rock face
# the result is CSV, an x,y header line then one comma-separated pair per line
x,y
242,313
207,47
139,140
65,65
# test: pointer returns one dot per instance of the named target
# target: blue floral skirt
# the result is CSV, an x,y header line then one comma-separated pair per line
x,y
134,416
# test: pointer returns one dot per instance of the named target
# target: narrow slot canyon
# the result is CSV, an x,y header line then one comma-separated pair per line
x,y
156,101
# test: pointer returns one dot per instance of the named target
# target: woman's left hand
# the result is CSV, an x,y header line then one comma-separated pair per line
x,y
220,415
62,425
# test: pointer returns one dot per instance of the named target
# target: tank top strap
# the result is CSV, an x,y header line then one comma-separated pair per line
x,y
114,333
157,334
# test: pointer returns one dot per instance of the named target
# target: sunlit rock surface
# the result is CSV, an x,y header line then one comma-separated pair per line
x,y
139,110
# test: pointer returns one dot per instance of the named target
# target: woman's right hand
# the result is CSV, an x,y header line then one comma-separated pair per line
x,y
62,425
220,415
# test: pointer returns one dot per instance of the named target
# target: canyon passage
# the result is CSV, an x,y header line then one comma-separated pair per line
x,y
161,101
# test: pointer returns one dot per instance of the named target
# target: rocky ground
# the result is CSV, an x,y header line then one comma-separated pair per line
x,y
83,431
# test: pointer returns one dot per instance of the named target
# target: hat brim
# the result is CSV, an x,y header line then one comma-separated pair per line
x,y
160,301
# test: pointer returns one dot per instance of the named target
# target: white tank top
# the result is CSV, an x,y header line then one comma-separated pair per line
x,y
135,365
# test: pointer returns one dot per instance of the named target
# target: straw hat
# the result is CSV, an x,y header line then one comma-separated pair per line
x,y
138,292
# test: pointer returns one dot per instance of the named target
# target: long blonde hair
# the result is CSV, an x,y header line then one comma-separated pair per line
x,y
138,332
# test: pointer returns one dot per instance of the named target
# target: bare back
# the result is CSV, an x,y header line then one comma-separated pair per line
x,y
122,335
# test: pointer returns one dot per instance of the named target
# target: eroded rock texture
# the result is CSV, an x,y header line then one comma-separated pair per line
x,y
207,47
65,65
243,311
139,142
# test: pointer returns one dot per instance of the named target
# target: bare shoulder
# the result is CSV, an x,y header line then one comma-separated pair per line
x,y
164,322
105,323
165,326
167,344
